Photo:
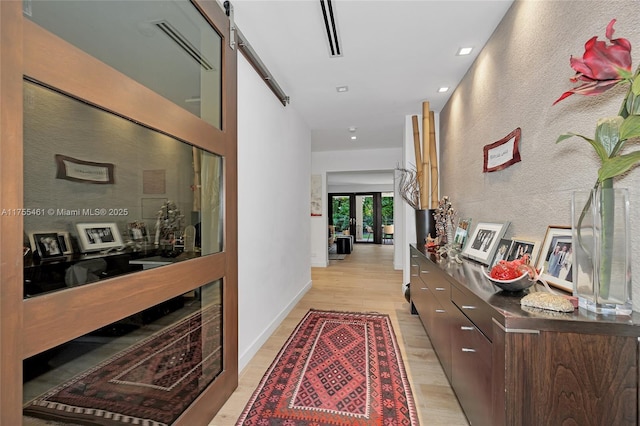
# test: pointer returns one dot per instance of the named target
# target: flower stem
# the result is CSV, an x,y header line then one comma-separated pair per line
x,y
607,205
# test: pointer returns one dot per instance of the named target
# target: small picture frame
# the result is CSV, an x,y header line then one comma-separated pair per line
x,y
502,252
462,231
556,255
98,236
521,247
46,244
137,231
484,240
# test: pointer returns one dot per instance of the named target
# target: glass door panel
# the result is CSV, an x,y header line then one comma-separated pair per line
x,y
340,213
364,218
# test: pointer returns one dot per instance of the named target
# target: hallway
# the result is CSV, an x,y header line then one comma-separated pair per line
x,y
364,281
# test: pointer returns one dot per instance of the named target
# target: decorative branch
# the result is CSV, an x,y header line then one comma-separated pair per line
x,y
409,186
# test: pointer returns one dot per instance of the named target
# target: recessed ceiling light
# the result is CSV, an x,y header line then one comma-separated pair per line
x,y
443,89
342,89
464,51
352,129
354,137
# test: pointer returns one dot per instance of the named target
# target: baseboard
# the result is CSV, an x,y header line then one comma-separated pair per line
x,y
245,357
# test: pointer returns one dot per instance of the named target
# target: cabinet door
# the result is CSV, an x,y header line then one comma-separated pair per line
x,y
471,370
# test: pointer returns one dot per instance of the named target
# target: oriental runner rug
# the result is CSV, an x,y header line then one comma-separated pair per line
x,y
150,383
337,368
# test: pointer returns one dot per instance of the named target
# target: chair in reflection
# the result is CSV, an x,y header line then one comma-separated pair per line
x,y
387,233
369,232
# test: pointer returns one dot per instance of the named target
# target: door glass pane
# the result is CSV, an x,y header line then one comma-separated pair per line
x,y
167,46
387,218
364,218
144,369
340,213
104,196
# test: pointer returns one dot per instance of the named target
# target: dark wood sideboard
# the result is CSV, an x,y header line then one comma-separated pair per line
x,y
510,365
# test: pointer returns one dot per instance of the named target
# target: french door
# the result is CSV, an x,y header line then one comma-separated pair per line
x,y
361,215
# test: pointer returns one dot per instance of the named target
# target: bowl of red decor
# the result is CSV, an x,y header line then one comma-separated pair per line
x,y
515,275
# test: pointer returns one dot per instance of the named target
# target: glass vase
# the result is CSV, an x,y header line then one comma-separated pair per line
x,y
601,271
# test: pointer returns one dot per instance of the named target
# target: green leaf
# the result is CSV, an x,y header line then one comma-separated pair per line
x,y
602,153
635,87
630,127
565,136
612,167
608,133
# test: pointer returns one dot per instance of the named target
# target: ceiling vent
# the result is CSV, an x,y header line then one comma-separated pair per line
x,y
183,43
332,29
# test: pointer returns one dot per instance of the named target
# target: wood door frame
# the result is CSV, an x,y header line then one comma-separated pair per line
x,y
33,325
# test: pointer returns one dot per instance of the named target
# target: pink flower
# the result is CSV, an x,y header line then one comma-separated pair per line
x,y
602,66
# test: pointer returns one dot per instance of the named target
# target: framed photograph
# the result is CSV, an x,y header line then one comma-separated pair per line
x,y
521,247
502,252
98,236
462,231
50,244
484,240
137,231
556,256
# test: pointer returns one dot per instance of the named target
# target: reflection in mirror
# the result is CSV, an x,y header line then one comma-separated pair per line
x,y
167,46
148,367
104,196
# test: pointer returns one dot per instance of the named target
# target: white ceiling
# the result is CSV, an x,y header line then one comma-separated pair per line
x,y
396,54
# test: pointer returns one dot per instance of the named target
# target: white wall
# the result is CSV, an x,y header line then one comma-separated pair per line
x,y
513,83
340,161
274,163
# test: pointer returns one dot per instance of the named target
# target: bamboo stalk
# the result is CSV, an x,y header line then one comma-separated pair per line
x,y
424,193
433,159
416,147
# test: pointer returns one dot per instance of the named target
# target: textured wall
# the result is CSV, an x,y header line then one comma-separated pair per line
x,y
521,71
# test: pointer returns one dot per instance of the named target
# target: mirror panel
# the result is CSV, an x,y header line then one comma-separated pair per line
x,y
104,196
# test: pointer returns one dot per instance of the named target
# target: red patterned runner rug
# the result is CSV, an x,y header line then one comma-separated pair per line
x,y
143,384
337,368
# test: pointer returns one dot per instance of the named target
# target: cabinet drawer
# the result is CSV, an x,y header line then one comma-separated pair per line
x,y
440,288
471,372
475,309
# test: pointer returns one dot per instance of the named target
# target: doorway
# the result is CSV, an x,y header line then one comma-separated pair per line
x,y
363,215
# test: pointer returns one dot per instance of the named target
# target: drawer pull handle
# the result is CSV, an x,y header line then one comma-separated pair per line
x,y
468,307
424,272
414,275
440,311
414,255
424,288
468,350
440,289
467,328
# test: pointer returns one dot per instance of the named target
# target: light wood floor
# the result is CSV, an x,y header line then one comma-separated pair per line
x,y
364,282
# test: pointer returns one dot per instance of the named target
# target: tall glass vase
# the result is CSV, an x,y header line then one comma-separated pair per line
x,y
601,269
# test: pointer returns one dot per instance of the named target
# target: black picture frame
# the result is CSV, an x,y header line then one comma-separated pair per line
x,y
48,246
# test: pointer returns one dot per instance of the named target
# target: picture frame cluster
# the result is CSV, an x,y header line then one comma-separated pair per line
x,y
552,258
